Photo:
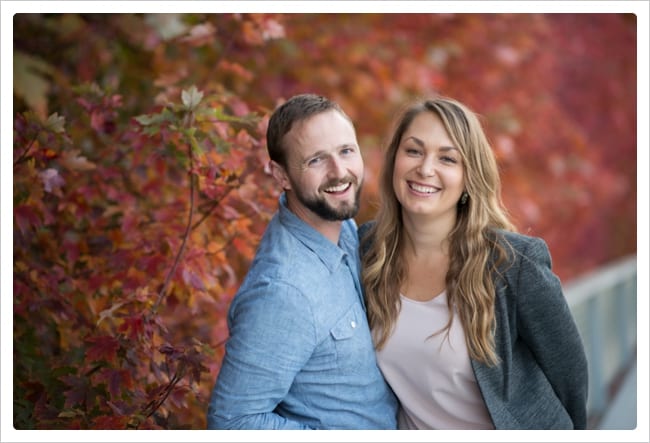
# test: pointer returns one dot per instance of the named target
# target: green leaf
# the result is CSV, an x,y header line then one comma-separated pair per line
x,y
195,145
71,413
168,26
55,123
156,119
221,145
191,98
220,115
145,119
151,130
30,80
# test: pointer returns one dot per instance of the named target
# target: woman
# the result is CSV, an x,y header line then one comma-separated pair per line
x,y
470,324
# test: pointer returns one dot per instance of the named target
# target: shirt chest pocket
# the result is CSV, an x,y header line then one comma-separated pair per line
x,y
352,342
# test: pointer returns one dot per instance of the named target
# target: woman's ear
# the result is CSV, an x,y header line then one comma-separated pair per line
x,y
280,175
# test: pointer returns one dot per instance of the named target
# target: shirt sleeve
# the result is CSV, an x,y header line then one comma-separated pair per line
x,y
272,336
546,324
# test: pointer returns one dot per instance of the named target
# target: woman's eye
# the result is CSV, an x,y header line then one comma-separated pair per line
x,y
447,159
412,151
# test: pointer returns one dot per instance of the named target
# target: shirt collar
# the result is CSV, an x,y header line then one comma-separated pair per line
x,y
330,254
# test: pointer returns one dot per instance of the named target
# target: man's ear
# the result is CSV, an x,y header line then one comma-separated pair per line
x,y
280,175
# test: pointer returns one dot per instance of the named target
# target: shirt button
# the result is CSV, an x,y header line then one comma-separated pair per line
x,y
353,324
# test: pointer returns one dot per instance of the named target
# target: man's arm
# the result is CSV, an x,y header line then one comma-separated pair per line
x,y
272,336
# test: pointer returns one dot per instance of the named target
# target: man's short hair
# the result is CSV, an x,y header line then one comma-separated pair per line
x,y
297,108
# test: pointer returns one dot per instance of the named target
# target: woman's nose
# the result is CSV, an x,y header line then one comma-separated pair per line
x,y
427,168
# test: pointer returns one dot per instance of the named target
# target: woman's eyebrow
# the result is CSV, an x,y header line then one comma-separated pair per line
x,y
416,140
421,144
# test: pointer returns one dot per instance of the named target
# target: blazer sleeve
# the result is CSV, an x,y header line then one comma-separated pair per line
x,y
363,231
545,323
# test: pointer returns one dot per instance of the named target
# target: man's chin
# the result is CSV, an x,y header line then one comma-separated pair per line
x,y
330,208
342,212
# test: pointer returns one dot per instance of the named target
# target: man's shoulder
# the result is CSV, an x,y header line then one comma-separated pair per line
x,y
281,257
349,234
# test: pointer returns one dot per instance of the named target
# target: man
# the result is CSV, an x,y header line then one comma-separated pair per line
x,y
300,353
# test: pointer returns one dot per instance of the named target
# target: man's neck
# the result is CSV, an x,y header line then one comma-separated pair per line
x,y
329,229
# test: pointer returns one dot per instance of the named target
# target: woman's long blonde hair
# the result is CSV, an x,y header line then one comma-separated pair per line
x,y
475,251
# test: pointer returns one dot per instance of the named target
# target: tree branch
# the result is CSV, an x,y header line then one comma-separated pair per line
x,y
24,154
188,227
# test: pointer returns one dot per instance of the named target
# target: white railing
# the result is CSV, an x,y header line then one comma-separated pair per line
x,y
604,303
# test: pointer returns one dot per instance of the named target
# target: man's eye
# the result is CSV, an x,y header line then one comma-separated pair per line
x,y
314,161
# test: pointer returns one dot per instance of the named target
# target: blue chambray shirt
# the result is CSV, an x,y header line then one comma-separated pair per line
x,y
300,354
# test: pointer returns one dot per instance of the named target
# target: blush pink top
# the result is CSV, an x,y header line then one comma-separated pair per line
x,y
432,376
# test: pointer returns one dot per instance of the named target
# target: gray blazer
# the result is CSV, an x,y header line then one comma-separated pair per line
x,y
541,381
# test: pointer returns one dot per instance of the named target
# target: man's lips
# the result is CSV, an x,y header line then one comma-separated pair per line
x,y
338,189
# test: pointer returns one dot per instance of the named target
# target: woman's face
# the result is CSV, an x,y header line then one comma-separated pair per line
x,y
428,177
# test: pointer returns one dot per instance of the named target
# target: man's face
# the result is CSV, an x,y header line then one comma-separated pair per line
x,y
324,168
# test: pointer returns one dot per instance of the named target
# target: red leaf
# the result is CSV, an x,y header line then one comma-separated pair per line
x,y
26,218
190,278
102,348
178,396
78,392
118,381
110,422
133,327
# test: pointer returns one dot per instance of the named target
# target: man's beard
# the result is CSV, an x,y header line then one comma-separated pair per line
x,y
319,205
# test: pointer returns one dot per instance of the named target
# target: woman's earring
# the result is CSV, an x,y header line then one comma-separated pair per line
x,y
463,198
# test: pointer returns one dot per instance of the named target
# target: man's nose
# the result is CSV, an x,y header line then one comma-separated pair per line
x,y
337,168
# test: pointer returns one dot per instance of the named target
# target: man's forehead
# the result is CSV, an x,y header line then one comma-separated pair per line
x,y
320,132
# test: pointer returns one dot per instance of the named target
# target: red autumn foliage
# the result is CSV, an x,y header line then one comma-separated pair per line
x,y
140,188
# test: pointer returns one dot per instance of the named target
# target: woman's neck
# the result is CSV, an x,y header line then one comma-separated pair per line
x,y
427,236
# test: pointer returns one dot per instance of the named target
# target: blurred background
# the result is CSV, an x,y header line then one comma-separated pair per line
x,y
140,188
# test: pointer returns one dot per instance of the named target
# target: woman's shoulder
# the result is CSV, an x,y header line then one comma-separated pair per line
x,y
517,240
364,239
365,228
523,249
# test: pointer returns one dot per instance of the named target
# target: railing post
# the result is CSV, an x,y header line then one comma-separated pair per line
x,y
597,385
604,303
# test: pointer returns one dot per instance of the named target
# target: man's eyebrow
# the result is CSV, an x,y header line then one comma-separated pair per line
x,y
327,152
